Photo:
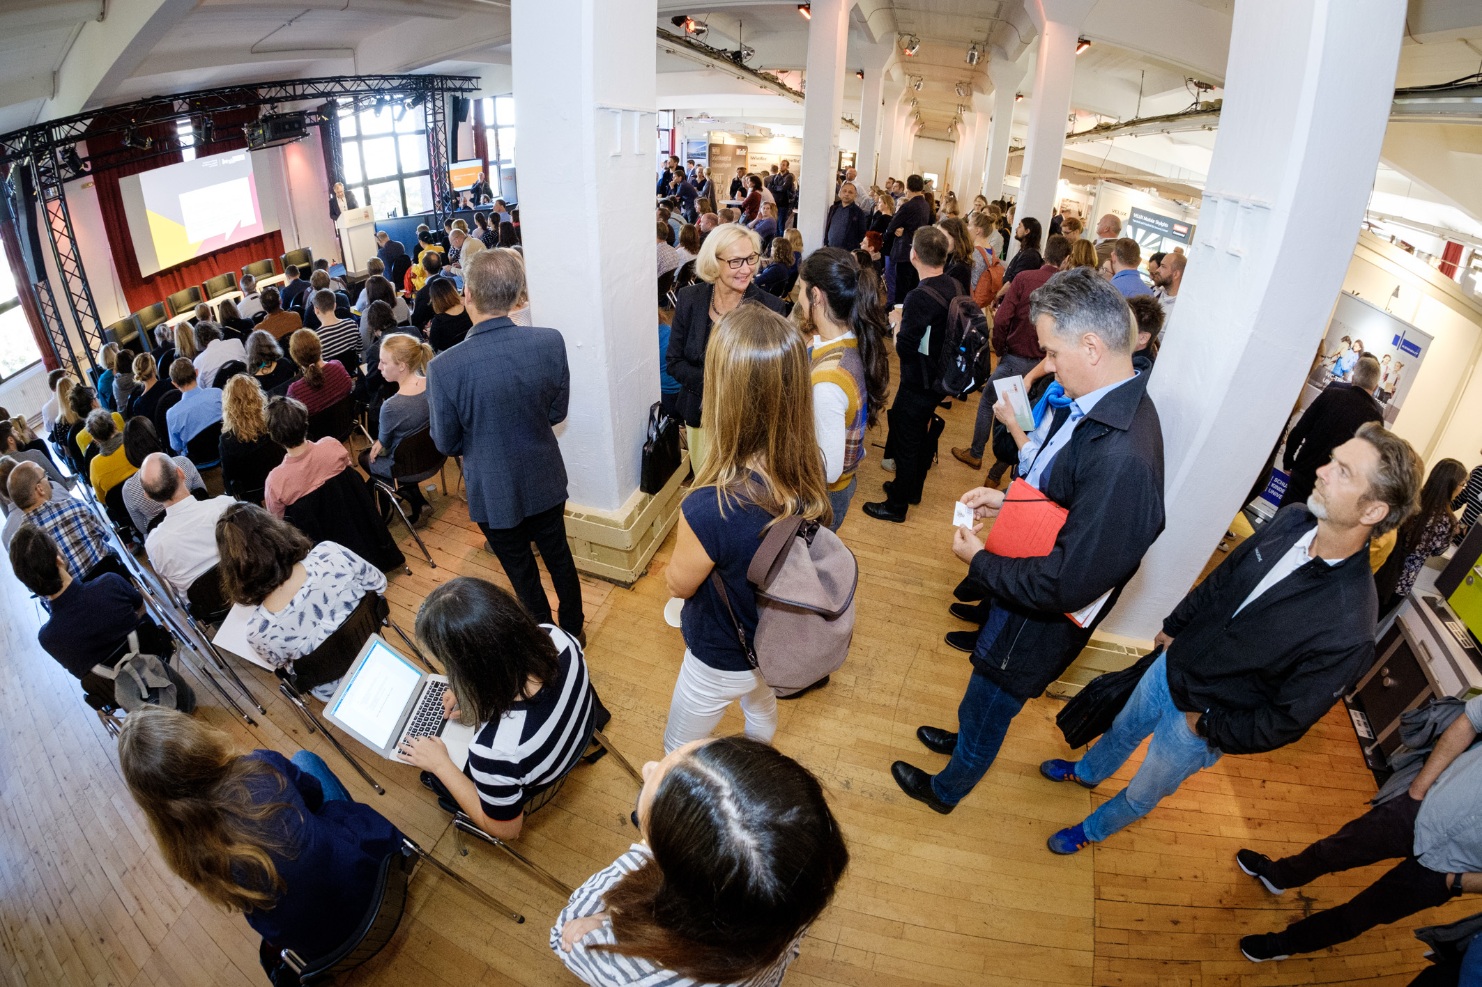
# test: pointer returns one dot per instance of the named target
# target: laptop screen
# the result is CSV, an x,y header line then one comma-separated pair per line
x,y
372,703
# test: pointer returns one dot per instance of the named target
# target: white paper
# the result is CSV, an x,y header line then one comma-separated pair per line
x,y
962,515
231,637
1011,389
1084,616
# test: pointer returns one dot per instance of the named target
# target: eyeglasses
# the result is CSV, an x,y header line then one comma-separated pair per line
x,y
737,263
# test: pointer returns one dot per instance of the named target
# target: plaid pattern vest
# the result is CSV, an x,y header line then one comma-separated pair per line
x,y
838,362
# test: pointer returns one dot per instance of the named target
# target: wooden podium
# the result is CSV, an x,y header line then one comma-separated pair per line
x,y
357,229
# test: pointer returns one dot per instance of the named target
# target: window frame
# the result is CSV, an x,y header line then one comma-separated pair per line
x,y
494,159
396,130
8,305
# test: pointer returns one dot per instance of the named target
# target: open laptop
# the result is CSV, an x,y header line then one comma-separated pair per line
x,y
386,698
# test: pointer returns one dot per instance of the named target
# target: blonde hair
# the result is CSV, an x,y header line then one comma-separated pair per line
x,y
758,416
1083,254
107,354
244,408
707,264
185,341
65,387
794,237
407,350
144,368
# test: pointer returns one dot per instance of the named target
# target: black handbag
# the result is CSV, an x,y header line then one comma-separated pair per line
x,y
1091,712
660,451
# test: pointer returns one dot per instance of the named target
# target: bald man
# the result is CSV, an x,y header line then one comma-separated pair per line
x,y
1168,279
182,547
1108,229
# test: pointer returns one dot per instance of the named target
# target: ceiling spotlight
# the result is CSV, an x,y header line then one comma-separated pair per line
x,y
917,82
911,45
1081,44
1018,97
963,90
973,54
914,102
73,162
131,139
806,9
859,73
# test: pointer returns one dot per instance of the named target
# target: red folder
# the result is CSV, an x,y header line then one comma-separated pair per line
x,y
1027,525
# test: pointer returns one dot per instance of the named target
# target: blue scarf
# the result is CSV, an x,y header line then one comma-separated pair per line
x,y
1054,397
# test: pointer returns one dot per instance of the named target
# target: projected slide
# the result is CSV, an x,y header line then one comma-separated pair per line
x,y
187,210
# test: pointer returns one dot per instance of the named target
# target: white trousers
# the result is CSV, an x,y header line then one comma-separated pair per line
x,y
701,695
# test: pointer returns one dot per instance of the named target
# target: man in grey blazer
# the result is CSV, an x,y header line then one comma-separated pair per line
x,y
495,399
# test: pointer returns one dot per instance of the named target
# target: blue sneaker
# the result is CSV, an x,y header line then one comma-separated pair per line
x,y
1058,770
1068,840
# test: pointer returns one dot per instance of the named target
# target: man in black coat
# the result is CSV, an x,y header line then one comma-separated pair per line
x,y
1331,420
910,215
1100,456
388,250
845,225
1261,649
502,424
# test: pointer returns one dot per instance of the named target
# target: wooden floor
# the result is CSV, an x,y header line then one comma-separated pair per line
x,y
967,899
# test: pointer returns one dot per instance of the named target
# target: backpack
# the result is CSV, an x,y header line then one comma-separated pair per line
x,y
804,578
989,282
963,362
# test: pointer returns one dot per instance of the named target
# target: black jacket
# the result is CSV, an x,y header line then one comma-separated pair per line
x,y
1109,478
910,215
852,234
1264,676
1329,422
689,335
923,311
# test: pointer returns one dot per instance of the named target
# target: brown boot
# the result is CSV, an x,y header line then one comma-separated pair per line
x,y
966,456
995,475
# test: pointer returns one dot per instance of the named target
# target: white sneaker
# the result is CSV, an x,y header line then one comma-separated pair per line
x,y
888,465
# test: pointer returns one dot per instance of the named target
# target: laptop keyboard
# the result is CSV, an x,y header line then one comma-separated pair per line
x,y
427,721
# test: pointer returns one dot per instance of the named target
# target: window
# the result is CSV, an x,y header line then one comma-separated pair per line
x,y
17,346
186,134
498,115
384,152
666,133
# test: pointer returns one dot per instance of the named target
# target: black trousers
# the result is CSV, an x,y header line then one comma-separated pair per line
x,y
512,546
909,417
1383,833
1299,485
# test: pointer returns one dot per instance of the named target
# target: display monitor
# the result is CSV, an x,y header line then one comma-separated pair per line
x,y
464,173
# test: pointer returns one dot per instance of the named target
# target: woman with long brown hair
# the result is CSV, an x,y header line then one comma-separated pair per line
x,y
740,855
323,384
278,840
763,464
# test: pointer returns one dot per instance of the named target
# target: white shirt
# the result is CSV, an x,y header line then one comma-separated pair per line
x,y
1167,301
49,412
1296,557
830,422
183,546
249,305
216,355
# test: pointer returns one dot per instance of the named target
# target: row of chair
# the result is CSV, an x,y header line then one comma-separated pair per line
x,y
140,325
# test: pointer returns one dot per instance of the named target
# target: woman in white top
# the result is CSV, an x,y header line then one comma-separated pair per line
x,y
740,854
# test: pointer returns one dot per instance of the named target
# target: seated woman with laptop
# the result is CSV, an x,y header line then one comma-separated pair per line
x,y
526,688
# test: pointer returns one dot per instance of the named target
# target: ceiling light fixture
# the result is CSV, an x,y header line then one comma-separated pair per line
x,y
1081,44
806,9
973,54
917,82
859,73
1018,97
131,139
963,90
911,45
74,162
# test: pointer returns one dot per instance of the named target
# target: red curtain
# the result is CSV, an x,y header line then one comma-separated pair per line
x,y
140,291
10,235
1450,256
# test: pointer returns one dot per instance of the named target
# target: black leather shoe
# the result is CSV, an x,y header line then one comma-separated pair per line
x,y
805,690
962,640
889,487
973,613
937,740
886,511
917,784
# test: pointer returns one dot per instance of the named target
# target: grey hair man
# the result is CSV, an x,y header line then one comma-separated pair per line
x,y
1108,229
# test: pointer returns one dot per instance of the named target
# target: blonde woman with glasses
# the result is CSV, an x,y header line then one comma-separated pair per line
x,y
763,464
727,267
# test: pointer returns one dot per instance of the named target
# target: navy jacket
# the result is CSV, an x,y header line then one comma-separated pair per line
x,y
690,335
495,399
1264,676
853,227
910,216
1109,478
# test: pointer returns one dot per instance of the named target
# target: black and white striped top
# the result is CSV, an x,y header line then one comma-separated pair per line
x,y
537,740
1469,502
600,968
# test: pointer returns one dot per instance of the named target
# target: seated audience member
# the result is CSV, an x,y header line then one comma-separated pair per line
x,y
294,288
110,466
51,410
278,840
183,546
422,312
486,233
278,322
323,384
430,259
728,813
69,422
321,265
10,445
107,356
126,385
231,320
185,343
378,289
539,681
215,351
266,363
451,322
80,536
140,442
248,453
250,303
765,224
339,339
299,593
509,234
146,372
164,348
306,465
198,408
14,516
780,272
728,215
83,401
339,309
89,620
403,363
203,313
376,325
374,268
465,247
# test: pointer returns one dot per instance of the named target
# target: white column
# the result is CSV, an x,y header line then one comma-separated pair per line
x,y
872,109
584,106
823,102
1059,23
974,181
962,159
1275,236
892,132
1005,76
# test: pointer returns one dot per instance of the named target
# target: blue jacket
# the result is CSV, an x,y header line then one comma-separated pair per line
x,y
495,399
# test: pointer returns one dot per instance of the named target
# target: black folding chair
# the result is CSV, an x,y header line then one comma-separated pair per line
x,y
336,421
416,458
206,599
205,448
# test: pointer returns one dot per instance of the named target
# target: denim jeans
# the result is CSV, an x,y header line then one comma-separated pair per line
x,y
983,719
839,501
1175,753
313,765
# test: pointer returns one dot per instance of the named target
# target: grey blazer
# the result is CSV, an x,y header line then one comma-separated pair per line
x,y
494,399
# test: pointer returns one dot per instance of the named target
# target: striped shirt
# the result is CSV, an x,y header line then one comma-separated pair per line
x,y
338,338
1469,502
535,741
601,968
80,536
